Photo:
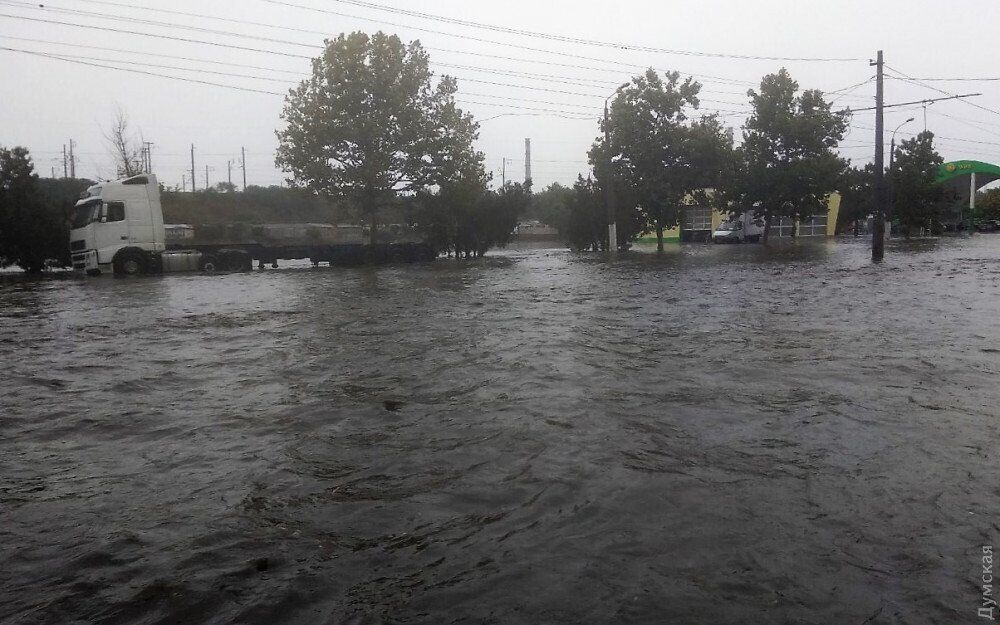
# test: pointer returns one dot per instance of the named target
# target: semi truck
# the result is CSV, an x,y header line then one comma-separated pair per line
x,y
117,228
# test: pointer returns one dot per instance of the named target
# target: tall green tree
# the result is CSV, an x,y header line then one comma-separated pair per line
x,y
32,229
586,225
468,219
918,201
549,206
660,156
787,166
857,193
988,205
370,124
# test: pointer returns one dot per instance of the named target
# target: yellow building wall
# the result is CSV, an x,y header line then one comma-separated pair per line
x,y
833,206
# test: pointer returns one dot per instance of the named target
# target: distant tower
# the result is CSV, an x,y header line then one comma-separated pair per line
x,y
527,162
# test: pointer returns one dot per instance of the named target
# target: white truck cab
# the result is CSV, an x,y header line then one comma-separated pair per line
x,y
118,226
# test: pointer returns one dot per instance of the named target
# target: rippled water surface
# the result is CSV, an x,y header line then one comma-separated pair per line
x,y
717,435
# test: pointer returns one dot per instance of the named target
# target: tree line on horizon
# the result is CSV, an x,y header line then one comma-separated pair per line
x,y
371,134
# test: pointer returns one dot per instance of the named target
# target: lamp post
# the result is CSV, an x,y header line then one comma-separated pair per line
x,y
892,183
610,199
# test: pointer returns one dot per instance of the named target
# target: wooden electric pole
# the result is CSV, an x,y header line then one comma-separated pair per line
x,y
878,231
243,153
610,199
527,162
193,185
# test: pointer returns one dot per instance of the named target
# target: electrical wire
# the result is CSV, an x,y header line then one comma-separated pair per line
x,y
153,54
136,71
547,77
706,78
914,81
565,38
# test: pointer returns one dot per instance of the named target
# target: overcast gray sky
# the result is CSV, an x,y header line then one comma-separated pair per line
x,y
44,102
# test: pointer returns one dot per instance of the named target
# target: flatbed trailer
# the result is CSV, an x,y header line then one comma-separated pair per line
x,y
118,228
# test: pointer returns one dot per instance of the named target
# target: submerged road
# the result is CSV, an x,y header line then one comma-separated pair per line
x,y
718,435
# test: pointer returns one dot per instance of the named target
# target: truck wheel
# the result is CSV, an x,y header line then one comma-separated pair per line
x,y
130,263
208,263
237,261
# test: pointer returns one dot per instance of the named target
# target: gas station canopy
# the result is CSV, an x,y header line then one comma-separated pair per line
x,y
963,176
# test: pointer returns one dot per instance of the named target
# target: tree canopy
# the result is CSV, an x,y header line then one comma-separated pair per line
x,y
857,192
918,200
33,226
660,156
787,166
370,124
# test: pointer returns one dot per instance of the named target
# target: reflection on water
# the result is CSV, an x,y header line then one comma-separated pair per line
x,y
715,434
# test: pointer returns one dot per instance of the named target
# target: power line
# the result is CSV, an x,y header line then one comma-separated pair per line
x,y
970,123
985,79
708,78
547,77
914,81
575,114
137,71
154,54
936,137
80,60
565,38
930,101
173,67
170,37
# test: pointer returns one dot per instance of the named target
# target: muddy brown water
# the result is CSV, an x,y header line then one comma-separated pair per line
x,y
716,435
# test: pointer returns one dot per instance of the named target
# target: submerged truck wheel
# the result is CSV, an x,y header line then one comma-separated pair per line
x,y
130,263
209,263
234,260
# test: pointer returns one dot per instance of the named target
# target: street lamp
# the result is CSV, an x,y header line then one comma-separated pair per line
x,y
892,160
610,200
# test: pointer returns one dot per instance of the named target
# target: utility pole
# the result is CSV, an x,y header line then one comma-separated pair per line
x,y
148,150
72,159
65,163
206,178
229,167
527,162
609,195
892,159
243,152
192,170
878,234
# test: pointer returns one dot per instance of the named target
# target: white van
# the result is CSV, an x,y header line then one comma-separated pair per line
x,y
739,229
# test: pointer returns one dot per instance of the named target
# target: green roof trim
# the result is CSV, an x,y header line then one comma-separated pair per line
x,y
949,171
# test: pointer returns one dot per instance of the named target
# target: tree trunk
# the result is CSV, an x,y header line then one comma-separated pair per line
x,y
659,235
767,228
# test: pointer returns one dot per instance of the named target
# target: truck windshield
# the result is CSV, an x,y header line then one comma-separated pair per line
x,y
86,213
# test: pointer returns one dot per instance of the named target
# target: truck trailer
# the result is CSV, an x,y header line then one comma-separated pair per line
x,y
117,227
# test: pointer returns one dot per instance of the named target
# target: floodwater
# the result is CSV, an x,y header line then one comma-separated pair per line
x,y
717,435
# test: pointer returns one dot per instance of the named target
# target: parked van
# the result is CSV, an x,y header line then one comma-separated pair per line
x,y
740,229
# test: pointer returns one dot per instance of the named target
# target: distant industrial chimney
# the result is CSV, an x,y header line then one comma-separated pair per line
x,y
527,162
